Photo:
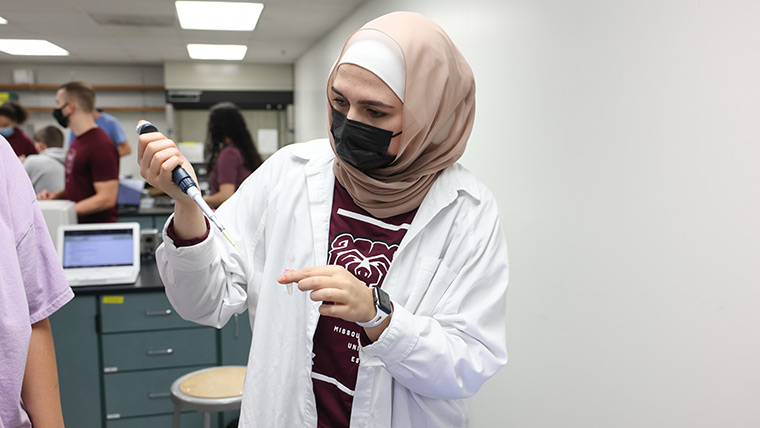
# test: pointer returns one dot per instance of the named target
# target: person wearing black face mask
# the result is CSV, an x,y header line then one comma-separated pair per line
x,y
363,146
397,251
92,161
61,118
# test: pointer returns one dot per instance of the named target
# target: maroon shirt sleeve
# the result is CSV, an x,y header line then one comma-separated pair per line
x,y
186,242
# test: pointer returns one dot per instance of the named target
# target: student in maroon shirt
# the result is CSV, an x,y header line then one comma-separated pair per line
x,y
92,161
12,114
230,153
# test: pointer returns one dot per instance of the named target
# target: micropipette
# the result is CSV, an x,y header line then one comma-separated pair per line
x,y
188,186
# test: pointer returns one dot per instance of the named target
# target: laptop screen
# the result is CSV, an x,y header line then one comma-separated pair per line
x,y
97,248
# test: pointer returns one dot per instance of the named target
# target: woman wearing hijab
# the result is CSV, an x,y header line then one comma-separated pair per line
x,y
12,114
397,251
230,154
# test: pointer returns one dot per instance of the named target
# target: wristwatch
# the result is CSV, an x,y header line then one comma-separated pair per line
x,y
383,306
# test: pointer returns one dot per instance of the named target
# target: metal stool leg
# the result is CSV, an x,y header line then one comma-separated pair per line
x,y
175,420
206,420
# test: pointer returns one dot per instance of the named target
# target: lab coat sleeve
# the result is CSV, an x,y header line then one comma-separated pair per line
x,y
204,283
211,281
451,352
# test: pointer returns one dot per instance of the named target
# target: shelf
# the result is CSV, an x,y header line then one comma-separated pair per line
x,y
51,87
106,109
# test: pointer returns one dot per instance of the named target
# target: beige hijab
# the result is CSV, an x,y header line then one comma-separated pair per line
x,y
439,110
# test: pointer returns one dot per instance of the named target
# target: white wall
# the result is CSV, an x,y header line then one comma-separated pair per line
x,y
228,76
621,140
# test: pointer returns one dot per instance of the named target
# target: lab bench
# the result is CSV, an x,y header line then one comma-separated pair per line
x,y
119,348
149,218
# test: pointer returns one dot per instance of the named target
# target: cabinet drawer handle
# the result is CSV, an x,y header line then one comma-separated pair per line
x,y
237,330
153,395
163,313
167,351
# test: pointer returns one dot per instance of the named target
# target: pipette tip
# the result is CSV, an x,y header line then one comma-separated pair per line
x,y
229,238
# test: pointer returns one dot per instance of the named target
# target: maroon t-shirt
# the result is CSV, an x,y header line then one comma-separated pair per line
x,y
21,143
365,246
228,169
92,157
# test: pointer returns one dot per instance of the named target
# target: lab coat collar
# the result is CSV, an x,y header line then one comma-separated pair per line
x,y
450,183
320,179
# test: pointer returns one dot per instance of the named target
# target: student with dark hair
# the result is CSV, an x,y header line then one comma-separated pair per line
x,y
12,114
46,168
230,153
92,162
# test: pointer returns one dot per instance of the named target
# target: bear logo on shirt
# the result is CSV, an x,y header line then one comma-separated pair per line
x,y
367,260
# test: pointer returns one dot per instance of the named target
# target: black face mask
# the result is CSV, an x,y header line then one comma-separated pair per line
x,y
60,118
361,145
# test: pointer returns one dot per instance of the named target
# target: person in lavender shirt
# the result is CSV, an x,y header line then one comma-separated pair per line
x,y
230,153
32,287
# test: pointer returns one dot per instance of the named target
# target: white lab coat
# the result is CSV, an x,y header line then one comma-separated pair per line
x,y
448,283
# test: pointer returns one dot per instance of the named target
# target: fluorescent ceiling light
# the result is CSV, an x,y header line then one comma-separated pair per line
x,y
225,52
218,15
31,48
3,20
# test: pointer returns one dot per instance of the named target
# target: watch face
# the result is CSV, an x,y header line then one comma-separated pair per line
x,y
383,301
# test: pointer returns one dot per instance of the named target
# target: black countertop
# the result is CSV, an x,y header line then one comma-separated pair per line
x,y
125,211
148,280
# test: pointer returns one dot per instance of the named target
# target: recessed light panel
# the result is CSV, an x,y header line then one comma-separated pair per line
x,y
218,15
223,52
31,47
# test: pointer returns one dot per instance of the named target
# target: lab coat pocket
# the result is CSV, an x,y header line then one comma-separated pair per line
x,y
431,282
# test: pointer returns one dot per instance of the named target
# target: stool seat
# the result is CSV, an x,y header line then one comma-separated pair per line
x,y
215,389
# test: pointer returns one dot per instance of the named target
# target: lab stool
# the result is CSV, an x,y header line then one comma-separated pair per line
x,y
214,389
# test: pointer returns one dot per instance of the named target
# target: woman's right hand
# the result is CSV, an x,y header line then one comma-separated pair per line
x,y
157,157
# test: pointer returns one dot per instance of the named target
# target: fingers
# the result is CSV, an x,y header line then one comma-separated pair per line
x,y
344,312
301,274
350,299
144,139
163,161
334,295
158,156
340,304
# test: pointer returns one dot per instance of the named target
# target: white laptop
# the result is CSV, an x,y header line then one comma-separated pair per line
x,y
100,253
